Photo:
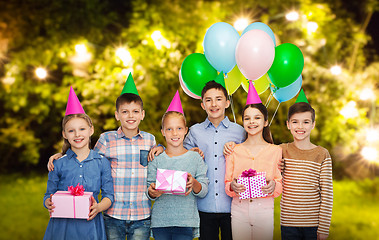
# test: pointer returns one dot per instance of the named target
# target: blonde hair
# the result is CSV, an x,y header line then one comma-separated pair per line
x,y
173,114
66,119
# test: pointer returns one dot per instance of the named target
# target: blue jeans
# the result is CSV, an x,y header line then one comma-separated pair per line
x,y
299,233
117,229
172,233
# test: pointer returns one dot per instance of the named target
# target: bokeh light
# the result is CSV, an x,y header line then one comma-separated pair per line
x,y
350,110
292,16
124,55
41,73
366,94
336,70
240,24
370,154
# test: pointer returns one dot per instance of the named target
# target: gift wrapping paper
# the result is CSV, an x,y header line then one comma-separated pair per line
x,y
171,181
253,186
70,206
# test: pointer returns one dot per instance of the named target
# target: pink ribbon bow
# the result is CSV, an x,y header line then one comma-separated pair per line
x,y
76,191
249,173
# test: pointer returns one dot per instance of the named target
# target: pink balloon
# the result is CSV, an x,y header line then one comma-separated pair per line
x,y
184,87
255,53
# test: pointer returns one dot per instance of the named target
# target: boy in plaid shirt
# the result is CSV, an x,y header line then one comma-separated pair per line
x,y
127,150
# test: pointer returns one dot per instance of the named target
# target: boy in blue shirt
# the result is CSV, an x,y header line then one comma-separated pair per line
x,y
210,137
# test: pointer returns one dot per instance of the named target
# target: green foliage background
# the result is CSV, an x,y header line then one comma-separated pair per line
x,y
44,33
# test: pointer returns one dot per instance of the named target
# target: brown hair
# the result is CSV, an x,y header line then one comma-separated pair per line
x,y
66,144
174,114
128,98
213,85
301,107
266,130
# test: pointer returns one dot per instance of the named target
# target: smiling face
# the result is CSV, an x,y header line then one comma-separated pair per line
x,y
215,103
78,132
253,121
301,125
174,130
130,116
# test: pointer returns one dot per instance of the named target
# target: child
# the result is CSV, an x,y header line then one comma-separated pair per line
x,y
79,165
210,136
127,150
307,200
176,216
254,218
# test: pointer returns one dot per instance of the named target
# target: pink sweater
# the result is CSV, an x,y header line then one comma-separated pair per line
x,y
264,161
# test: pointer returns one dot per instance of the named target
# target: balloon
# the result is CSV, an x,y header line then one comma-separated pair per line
x,y
196,72
260,26
233,80
220,42
184,87
261,84
287,66
255,53
288,92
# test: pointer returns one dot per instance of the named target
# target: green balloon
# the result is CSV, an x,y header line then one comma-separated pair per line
x,y
287,66
196,72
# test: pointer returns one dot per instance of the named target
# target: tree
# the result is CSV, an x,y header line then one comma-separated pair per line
x,y
158,35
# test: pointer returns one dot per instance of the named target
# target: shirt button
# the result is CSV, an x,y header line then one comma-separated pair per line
x,y
81,165
215,142
215,155
216,194
216,181
216,131
215,168
80,175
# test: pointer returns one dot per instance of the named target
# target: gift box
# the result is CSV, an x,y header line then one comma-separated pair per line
x,y
68,205
171,181
253,181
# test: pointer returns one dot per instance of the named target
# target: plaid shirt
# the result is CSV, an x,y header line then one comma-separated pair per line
x,y
129,176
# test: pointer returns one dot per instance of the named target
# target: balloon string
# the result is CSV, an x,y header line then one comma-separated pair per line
x,y
232,107
268,100
274,114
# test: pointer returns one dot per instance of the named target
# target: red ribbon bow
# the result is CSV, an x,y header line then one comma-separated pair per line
x,y
249,173
76,191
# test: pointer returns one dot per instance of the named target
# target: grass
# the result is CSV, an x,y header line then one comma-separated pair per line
x,y
24,217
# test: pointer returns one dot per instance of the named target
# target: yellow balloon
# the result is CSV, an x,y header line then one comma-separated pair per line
x,y
233,80
261,84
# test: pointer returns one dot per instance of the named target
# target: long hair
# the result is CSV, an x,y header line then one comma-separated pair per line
x,y
266,130
66,144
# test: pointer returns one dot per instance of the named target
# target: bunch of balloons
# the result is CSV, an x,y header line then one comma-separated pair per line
x,y
251,56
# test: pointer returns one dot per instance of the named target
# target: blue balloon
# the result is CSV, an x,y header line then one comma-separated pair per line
x,y
286,93
220,43
260,26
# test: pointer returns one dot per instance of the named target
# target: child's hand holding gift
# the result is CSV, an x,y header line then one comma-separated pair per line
x,y
192,184
49,204
269,188
153,193
236,187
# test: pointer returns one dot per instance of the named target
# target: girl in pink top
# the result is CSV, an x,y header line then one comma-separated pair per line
x,y
254,218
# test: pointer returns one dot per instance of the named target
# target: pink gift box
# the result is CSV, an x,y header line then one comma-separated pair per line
x,y
69,206
253,186
171,181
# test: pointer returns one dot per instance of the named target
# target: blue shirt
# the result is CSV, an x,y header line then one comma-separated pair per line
x,y
211,141
94,173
